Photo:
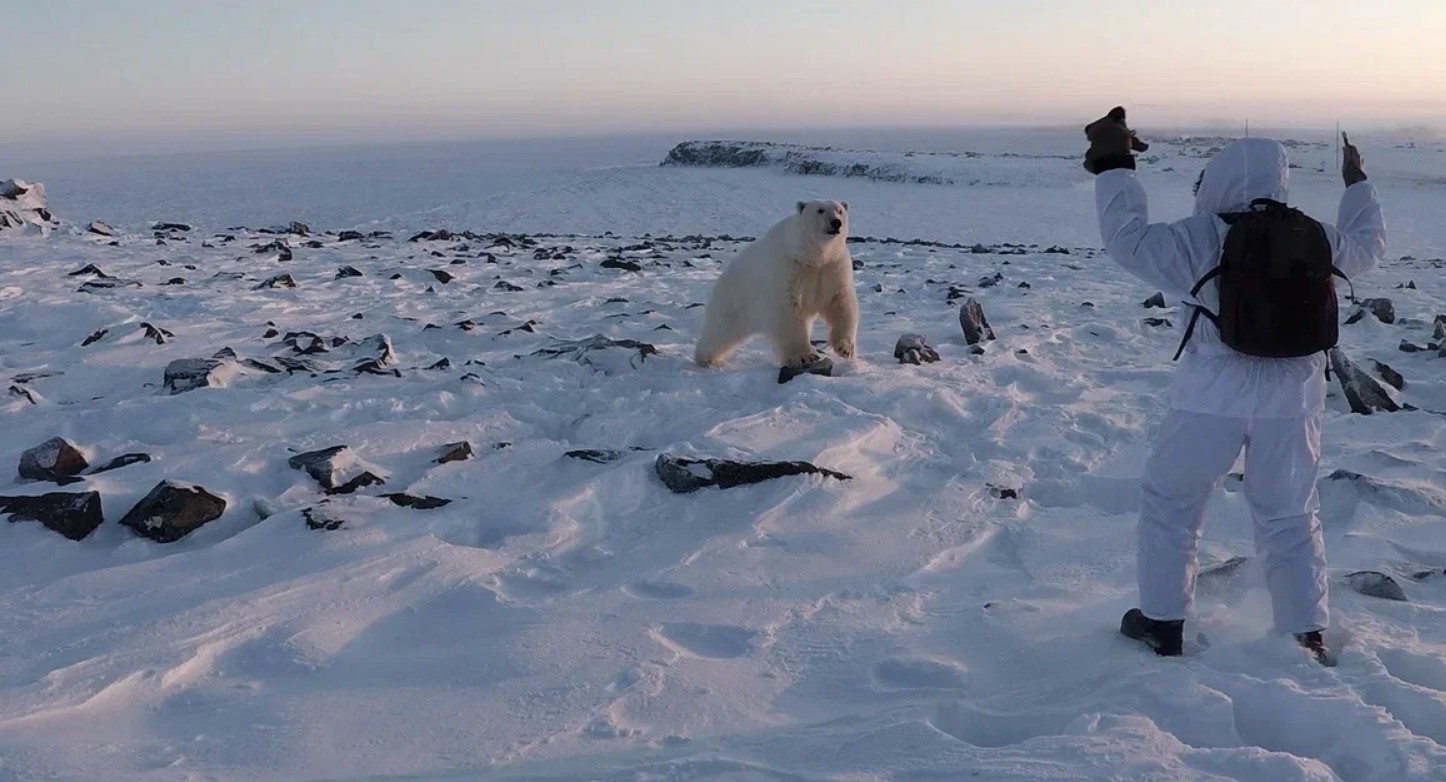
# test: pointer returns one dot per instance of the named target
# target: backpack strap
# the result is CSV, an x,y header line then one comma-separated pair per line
x,y
1190,329
1335,272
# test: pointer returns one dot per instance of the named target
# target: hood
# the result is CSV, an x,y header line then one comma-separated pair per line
x,y
1243,171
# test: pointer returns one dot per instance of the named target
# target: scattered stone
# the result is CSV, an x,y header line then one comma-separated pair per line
x,y
445,363
125,460
280,247
95,336
322,519
455,452
337,469
1156,302
417,503
442,277
189,374
503,285
684,475
990,282
107,283
1383,309
175,281
350,236
618,263
172,511
1409,347
91,269
1373,583
97,227
74,515
595,456
820,365
1003,492
1160,322
914,349
601,353
279,281
1364,393
971,319
55,460
300,229
170,227
1393,378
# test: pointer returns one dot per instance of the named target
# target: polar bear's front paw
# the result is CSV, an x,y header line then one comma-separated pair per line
x,y
843,347
804,359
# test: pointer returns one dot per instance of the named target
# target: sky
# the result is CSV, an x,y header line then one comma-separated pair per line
x,y
238,73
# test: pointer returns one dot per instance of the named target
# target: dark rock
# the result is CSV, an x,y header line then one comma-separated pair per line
x,y
300,229
1439,325
820,365
1364,393
1003,492
175,281
455,452
189,374
55,459
1393,378
914,349
601,353
170,227
1156,302
74,515
125,460
262,366
279,281
417,503
280,247
990,282
108,283
442,276
503,285
971,319
683,475
1160,322
350,236
337,469
95,336
172,511
90,269
1409,347
1383,309
445,363
322,519
618,263
97,227
1372,583
595,456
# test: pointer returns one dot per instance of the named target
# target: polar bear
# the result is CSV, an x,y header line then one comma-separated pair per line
x,y
777,285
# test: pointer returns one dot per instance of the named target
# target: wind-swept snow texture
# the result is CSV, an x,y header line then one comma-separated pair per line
x,y
948,613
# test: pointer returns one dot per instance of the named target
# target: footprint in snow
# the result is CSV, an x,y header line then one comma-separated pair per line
x,y
917,673
710,642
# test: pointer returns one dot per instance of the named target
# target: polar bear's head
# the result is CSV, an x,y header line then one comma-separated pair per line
x,y
825,220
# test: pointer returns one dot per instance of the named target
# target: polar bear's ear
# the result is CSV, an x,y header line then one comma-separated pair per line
x,y
845,205
801,205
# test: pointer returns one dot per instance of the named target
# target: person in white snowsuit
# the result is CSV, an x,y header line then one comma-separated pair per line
x,y
1223,401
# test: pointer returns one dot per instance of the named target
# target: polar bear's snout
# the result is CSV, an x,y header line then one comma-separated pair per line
x,y
833,226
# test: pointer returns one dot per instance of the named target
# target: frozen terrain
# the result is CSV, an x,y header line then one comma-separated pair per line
x,y
948,613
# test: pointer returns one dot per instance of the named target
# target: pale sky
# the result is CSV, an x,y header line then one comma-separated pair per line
x,y
274,72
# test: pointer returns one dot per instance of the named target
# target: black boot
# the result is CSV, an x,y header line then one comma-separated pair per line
x,y
1314,643
1167,638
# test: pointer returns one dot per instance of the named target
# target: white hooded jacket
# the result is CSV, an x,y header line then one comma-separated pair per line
x,y
1213,379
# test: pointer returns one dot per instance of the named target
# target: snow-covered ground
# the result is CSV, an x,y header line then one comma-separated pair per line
x,y
949,613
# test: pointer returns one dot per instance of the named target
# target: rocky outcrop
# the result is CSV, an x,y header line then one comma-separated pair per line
x,y
683,475
173,510
72,515
338,469
55,460
22,208
808,161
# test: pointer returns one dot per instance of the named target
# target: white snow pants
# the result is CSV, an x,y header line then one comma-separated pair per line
x,y
1192,452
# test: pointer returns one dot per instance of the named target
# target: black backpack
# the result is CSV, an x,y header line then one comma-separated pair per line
x,y
1276,283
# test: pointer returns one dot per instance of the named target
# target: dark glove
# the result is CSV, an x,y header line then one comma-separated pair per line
x,y
1112,143
1353,168
912,349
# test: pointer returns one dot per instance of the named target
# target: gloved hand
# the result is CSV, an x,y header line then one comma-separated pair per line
x,y
912,349
1353,169
1111,143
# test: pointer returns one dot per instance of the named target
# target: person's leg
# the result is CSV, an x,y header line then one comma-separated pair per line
x,y
1282,457
1192,453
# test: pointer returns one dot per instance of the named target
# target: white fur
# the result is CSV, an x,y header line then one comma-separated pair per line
x,y
779,283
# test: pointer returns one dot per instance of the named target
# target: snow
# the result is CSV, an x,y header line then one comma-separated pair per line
x,y
568,619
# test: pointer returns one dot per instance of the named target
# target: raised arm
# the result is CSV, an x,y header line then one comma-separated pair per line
x,y
1170,256
1359,240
